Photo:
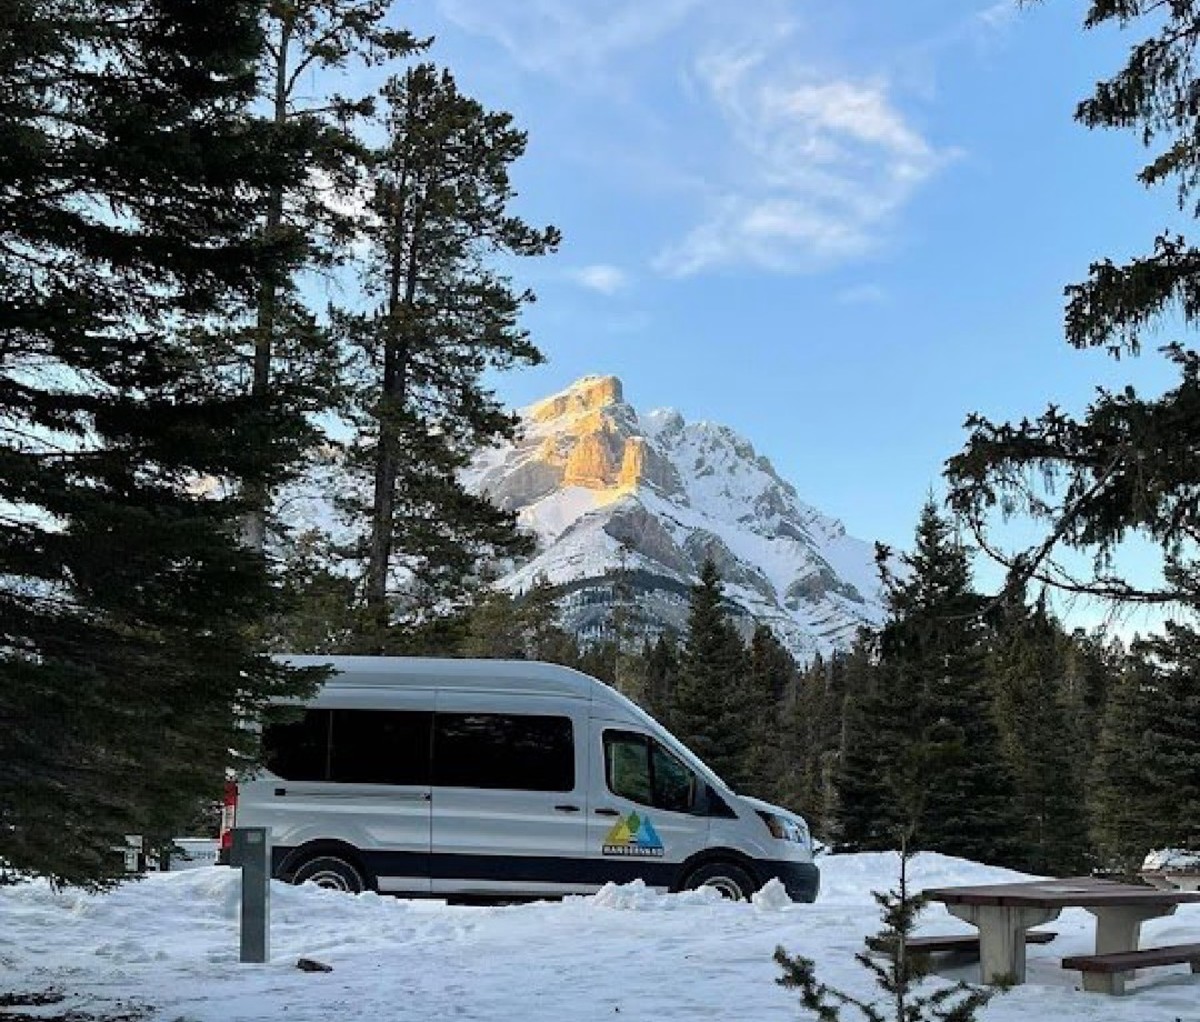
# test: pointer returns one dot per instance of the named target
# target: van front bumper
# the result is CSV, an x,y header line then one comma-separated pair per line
x,y
801,880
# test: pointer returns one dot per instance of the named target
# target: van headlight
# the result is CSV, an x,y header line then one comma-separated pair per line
x,y
785,828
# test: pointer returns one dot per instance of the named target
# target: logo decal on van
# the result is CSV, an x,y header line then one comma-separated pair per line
x,y
634,835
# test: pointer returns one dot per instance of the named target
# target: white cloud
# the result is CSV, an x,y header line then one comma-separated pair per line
x,y
774,161
569,39
606,279
818,169
999,16
861,294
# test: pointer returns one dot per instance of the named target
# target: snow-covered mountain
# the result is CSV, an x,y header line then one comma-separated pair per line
x,y
641,500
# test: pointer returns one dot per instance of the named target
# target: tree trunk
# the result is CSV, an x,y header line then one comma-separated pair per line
x,y
402,287
254,528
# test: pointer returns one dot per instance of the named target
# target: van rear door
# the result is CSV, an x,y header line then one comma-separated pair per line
x,y
355,775
509,794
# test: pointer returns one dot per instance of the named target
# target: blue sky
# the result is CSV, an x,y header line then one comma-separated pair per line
x,y
837,228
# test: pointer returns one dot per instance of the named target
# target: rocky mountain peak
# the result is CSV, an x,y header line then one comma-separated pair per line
x,y
589,394
607,490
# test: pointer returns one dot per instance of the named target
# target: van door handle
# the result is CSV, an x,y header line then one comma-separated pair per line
x,y
608,812
567,809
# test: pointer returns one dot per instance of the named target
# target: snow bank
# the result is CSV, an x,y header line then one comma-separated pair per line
x,y
170,942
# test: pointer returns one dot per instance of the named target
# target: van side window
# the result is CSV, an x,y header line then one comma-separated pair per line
x,y
380,747
298,750
351,746
514,751
641,770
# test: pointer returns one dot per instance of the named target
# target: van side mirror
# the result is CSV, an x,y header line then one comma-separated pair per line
x,y
702,800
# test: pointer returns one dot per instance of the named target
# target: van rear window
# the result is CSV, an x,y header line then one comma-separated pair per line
x,y
298,750
514,751
351,746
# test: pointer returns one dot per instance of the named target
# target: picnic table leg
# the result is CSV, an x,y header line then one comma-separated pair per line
x,y
1119,928
1002,937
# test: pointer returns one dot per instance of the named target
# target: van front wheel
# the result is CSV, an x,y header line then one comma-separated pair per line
x,y
331,872
732,881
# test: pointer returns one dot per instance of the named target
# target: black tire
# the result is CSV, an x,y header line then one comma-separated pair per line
x,y
333,872
732,881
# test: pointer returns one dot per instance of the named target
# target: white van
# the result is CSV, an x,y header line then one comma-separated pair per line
x,y
496,778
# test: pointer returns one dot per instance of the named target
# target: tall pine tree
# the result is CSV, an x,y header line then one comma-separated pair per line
x,y
1173,738
709,708
442,317
950,770
130,176
1042,746
1125,467
289,351
770,675
1125,822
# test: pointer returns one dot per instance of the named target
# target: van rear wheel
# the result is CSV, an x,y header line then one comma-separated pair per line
x,y
732,881
332,872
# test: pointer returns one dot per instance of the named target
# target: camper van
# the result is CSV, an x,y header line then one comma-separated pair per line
x,y
470,779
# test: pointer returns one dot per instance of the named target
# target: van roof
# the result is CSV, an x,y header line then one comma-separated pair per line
x,y
531,676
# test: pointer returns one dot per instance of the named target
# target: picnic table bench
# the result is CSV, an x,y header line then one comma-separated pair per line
x,y
1003,913
965,943
1105,974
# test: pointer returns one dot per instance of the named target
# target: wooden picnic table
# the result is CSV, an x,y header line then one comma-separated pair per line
x,y
1003,912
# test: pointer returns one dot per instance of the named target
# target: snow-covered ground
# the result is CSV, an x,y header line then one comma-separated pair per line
x,y
169,943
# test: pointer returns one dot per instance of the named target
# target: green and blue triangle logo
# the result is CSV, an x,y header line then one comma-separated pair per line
x,y
633,835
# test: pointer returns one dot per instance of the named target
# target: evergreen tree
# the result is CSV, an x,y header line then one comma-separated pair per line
x,y
442,318
1091,663
629,671
933,659
1173,739
877,790
708,714
898,976
318,615
662,669
130,175
770,674
1125,467
292,355
1125,822
1043,751
547,640
495,628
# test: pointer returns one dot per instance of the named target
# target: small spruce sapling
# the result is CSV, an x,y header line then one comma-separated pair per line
x,y
896,972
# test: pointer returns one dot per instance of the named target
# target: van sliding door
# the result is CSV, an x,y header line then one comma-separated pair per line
x,y
509,795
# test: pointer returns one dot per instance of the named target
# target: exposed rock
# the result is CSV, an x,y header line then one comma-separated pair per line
x,y
642,464
637,529
596,459
587,394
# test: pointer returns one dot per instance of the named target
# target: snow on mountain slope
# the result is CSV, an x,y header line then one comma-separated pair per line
x,y
647,498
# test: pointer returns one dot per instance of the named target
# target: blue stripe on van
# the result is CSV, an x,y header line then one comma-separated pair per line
x,y
799,878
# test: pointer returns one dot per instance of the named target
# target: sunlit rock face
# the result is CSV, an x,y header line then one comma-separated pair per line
x,y
645,498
